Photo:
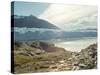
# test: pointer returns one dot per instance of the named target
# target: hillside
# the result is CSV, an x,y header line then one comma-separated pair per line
x,y
39,56
30,22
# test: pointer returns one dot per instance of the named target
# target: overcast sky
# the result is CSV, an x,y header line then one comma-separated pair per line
x,y
29,8
62,15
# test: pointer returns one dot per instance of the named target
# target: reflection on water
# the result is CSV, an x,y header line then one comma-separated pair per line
x,y
76,45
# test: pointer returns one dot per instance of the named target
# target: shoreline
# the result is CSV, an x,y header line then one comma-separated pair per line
x,y
76,46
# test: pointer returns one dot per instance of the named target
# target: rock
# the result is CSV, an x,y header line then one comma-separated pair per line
x,y
52,62
82,65
76,63
75,68
41,57
88,57
62,61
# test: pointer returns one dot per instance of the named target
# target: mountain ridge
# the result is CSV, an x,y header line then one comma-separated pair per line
x,y
30,22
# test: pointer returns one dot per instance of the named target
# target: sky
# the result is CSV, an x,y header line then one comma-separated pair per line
x,y
64,16
29,8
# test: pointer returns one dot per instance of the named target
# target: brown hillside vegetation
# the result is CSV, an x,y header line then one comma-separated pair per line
x,y
44,57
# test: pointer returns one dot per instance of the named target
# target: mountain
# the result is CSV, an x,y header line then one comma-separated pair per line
x,y
30,22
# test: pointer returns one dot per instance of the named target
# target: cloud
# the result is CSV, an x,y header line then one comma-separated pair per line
x,y
82,23
23,30
63,15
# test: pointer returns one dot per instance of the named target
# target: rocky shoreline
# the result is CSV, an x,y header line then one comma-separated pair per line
x,y
44,57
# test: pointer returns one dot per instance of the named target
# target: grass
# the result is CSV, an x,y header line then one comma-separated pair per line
x,y
21,59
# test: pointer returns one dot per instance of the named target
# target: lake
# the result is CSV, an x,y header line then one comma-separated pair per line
x,y
76,45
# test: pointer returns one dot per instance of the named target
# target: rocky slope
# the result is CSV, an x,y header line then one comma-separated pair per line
x,y
44,57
